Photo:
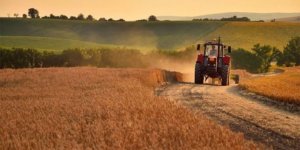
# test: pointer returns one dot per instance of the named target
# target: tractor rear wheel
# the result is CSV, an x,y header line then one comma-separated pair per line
x,y
199,77
225,75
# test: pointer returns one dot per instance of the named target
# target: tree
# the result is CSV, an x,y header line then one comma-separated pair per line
x,y
45,17
102,19
293,49
72,57
266,54
33,13
243,59
63,17
121,20
110,19
52,16
5,58
24,16
152,18
235,18
291,53
80,17
73,18
90,17
51,59
93,57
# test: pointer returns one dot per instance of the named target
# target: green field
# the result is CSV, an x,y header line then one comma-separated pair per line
x,y
246,34
165,35
47,43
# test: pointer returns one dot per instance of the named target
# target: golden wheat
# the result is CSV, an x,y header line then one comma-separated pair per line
x,y
284,87
80,108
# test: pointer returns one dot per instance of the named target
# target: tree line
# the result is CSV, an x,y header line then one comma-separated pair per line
x,y
102,57
256,60
32,58
233,18
34,14
260,57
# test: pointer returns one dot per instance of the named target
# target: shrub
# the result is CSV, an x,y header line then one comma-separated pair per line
x,y
242,59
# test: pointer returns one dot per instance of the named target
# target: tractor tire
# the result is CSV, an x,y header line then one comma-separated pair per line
x,y
199,77
225,75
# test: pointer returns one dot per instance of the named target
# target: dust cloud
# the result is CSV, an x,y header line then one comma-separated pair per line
x,y
184,67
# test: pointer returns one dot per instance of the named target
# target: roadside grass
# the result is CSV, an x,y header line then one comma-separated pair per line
x,y
93,108
284,87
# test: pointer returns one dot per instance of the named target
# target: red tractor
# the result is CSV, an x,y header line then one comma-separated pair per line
x,y
213,63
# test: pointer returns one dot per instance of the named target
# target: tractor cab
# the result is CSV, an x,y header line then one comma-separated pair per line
x,y
211,51
213,62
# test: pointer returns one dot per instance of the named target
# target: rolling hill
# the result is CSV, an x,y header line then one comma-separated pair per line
x,y
164,35
46,43
246,34
141,35
252,16
290,19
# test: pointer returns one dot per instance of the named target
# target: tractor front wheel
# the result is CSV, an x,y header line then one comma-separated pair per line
x,y
225,75
199,77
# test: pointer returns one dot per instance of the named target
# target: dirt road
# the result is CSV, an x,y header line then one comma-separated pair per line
x,y
266,124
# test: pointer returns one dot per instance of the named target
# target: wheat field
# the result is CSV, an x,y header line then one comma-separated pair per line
x,y
284,87
92,108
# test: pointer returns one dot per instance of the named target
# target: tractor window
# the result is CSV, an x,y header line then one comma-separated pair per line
x,y
211,50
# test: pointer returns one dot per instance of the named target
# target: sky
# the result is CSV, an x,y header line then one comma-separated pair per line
x,y
141,9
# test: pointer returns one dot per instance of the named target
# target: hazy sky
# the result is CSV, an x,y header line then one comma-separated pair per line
x,y
139,9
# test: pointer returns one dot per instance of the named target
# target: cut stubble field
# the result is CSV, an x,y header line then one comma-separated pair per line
x,y
102,109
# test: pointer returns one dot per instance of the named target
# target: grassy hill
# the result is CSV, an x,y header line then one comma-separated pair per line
x,y
251,15
144,35
246,34
165,35
290,19
46,43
